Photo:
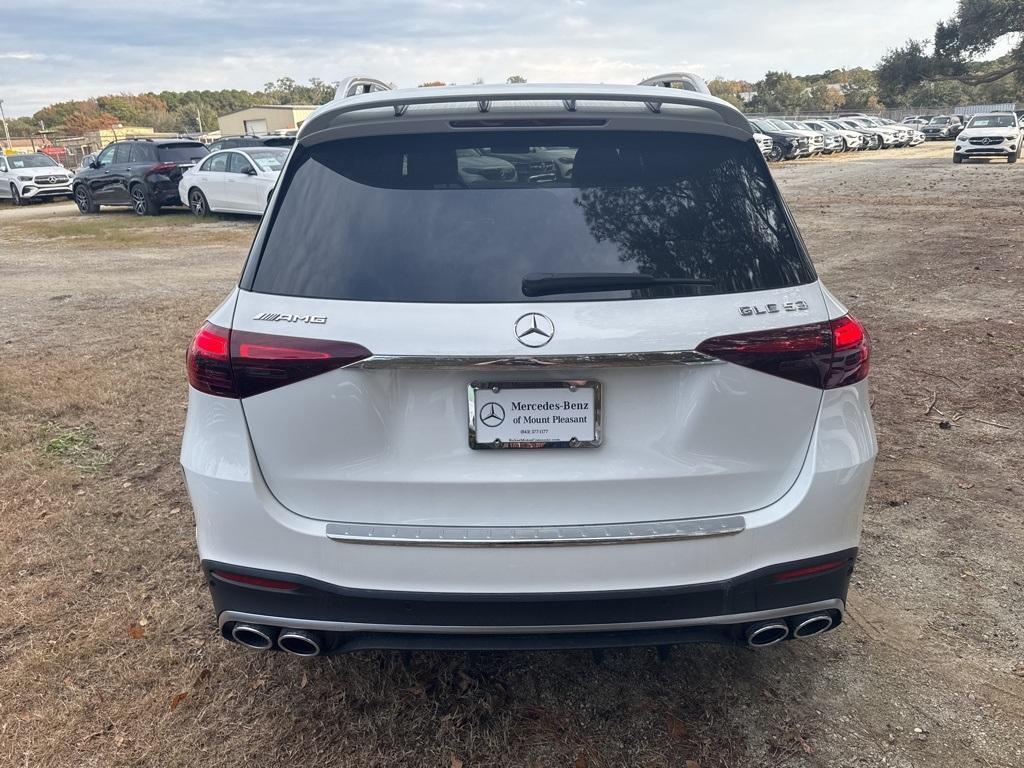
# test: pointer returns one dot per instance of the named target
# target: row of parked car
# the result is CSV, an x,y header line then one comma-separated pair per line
x,y
236,174
995,134
233,175
788,139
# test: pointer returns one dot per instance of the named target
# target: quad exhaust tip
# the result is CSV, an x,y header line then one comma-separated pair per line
x,y
299,642
256,636
811,624
765,633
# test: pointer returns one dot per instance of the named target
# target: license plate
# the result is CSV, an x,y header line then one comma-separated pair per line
x,y
534,414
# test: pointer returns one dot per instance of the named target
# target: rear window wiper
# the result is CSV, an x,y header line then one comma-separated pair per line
x,y
550,283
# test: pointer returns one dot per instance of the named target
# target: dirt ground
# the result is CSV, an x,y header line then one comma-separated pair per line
x,y
108,649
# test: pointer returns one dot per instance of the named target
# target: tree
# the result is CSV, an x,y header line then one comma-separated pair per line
x,y
88,117
286,91
958,42
779,92
514,79
729,90
55,114
825,97
22,126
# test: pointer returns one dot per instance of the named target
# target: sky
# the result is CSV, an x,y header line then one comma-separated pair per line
x,y
57,50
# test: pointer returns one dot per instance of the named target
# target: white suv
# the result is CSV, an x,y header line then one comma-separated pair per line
x,y
994,135
613,406
33,177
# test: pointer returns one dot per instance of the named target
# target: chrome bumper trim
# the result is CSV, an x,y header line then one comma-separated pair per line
x,y
535,536
523,362
351,627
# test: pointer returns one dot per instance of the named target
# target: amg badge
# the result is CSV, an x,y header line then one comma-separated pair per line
x,y
274,317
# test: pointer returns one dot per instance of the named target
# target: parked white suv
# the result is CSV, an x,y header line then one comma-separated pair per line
x,y
31,177
999,134
614,407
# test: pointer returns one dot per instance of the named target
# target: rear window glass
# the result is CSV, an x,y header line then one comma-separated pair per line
x,y
181,153
487,217
271,159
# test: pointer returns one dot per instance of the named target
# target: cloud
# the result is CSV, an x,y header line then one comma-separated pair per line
x,y
99,47
22,55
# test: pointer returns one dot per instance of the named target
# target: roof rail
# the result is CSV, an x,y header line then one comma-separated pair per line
x,y
687,81
356,84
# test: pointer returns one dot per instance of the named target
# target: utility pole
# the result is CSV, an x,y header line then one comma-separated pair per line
x,y
3,119
199,119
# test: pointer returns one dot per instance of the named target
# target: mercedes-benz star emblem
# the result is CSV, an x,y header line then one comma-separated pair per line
x,y
492,414
534,329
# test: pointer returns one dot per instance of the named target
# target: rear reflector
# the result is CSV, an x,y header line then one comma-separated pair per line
x,y
823,355
241,363
810,570
255,581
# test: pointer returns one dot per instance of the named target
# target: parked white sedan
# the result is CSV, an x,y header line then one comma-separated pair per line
x,y
233,181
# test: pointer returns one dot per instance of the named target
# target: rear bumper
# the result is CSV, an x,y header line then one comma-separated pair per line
x,y
240,522
164,191
713,612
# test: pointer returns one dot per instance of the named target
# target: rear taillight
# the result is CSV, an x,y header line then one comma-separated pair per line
x,y
208,361
241,363
162,167
823,355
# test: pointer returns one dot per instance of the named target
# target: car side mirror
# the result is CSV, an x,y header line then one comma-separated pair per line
x,y
249,171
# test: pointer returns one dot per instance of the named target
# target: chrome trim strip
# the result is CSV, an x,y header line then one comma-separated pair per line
x,y
347,626
535,536
523,362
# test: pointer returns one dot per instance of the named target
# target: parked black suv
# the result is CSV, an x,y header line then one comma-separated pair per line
x,y
142,173
234,142
786,143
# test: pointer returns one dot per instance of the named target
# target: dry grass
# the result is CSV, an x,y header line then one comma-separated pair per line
x,y
120,228
108,649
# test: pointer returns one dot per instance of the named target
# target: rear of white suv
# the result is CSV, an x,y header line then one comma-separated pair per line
x,y
614,407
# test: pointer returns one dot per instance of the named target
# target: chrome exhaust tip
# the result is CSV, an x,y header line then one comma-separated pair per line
x,y
810,624
299,642
765,633
256,636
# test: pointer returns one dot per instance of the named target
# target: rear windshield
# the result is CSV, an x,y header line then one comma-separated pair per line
x,y
269,158
182,153
467,217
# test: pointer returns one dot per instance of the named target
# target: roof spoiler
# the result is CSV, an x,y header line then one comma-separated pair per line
x,y
353,85
376,94
686,81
